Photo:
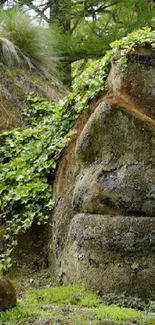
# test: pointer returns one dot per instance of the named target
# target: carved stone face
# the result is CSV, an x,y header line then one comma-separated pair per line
x,y
108,209
115,154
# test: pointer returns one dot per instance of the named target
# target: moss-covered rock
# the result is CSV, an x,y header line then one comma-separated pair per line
x,y
114,150
103,223
111,254
135,82
7,294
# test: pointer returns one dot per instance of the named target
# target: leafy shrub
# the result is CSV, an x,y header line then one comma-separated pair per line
x,y
29,157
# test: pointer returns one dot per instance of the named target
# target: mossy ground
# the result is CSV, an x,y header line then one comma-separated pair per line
x,y
72,305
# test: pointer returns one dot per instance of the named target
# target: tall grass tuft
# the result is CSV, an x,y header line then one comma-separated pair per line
x,y
21,41
9,53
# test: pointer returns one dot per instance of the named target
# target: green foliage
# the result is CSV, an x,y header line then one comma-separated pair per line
x,y
119,315
91,26
84,29
37,109
63,295
68,300
15,314
128,44
29,157
96,25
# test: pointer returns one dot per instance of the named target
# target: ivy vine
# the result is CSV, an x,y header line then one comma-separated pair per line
x,y
29,157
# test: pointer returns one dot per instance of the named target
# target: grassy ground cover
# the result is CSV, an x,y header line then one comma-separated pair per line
x,y
72,305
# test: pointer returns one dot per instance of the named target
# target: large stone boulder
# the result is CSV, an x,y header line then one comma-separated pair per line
x,y
104,220
7,294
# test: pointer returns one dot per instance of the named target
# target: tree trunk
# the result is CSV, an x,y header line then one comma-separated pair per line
x,y
60,13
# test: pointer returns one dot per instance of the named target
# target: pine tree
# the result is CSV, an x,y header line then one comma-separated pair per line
x,y
83,29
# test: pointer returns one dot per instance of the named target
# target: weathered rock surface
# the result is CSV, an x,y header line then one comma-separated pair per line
x,y
136,82
15,84
109,253
116,152
7,294
104,220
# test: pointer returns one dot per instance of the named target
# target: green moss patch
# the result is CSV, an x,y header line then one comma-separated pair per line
x,y
69,305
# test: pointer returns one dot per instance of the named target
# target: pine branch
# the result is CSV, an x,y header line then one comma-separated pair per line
x,y
77,57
